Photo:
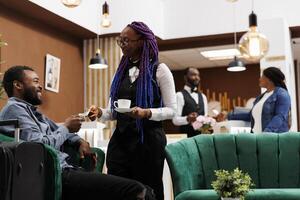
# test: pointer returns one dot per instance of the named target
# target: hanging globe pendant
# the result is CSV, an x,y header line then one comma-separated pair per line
x,y
253,45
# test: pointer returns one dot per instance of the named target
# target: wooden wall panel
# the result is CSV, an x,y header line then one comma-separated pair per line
x,y
28,43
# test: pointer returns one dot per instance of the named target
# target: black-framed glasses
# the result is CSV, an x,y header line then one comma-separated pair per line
x,y
123,41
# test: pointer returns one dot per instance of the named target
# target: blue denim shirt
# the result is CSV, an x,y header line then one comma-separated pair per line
x,y
275,112
36,127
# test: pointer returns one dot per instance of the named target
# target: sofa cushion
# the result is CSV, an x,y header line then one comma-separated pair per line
x,y
274,194
267,153
198,195
246,149
256,194
208,160
289,161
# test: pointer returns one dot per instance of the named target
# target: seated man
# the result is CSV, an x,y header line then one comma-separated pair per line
x,y
23,88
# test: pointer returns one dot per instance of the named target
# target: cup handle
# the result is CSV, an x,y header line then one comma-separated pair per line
x,y
115,102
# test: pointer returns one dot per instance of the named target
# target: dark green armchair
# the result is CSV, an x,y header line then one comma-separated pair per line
x,y
272,161
53,170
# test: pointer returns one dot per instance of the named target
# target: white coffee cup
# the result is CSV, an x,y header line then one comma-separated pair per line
x,y
122,103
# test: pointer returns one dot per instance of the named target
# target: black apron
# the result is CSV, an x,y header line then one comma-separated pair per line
x,y
190,106
126,155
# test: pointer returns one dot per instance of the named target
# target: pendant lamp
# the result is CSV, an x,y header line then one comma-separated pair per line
x,y
253,45
236,65
105,16
98,62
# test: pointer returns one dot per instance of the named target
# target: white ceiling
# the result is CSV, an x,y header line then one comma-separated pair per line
x,y
170,19
180,59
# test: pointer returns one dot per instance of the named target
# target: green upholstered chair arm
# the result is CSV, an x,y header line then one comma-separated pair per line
x,y
185,167
87,163
100,158
53,169
4,138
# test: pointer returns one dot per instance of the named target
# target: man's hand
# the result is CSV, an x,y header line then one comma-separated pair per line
x,y
192,117
221,117
73,123
140,113
85,150
94,113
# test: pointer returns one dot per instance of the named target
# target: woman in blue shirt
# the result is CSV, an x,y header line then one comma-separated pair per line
x,y
270,112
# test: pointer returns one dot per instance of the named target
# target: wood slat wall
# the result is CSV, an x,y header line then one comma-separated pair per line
x,y
97,81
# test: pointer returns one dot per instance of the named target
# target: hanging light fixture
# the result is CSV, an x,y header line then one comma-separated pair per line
x,y
105,16
71,3
236,65
98,62
253,45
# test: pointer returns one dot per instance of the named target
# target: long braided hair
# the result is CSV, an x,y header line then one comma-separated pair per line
x,y
148,59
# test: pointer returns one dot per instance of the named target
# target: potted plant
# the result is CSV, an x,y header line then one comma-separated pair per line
x,y
232,185
204,124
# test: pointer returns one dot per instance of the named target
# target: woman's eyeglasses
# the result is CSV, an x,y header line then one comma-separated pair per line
x,y
124,41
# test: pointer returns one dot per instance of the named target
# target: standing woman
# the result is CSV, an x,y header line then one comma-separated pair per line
x,y
270,112
136,149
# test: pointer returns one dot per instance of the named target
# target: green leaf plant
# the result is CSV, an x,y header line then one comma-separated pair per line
x,y
233,184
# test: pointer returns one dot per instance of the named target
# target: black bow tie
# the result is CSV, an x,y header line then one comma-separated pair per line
x,y
194,89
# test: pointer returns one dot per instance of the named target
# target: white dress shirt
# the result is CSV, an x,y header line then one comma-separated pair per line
x,y
179,120
257,112
166,84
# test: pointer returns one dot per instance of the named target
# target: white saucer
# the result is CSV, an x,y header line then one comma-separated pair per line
x,y
123,110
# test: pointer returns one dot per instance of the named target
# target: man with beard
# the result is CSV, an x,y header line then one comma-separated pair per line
x,y
190,103
23,88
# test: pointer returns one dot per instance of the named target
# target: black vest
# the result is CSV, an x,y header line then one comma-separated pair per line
x,y
127,90
190,106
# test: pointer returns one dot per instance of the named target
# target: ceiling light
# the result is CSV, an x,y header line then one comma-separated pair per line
x,y
221,54
236,66
253,45
98,62
71,3
105,16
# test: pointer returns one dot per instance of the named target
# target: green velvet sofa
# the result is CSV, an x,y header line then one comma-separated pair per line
x,y
272,161
53,181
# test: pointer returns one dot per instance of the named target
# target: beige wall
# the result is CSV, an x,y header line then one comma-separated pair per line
x,y
97,82
28,43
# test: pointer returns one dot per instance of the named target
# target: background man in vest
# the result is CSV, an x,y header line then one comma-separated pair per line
x,y
190,103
